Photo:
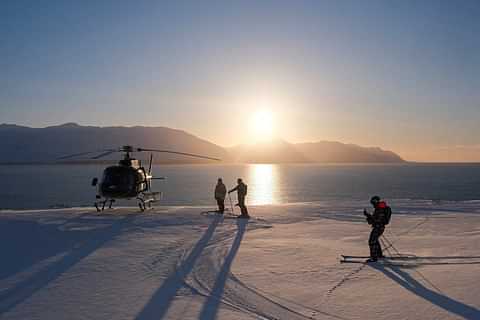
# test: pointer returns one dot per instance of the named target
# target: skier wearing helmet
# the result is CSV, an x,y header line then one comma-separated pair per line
x,y
380,217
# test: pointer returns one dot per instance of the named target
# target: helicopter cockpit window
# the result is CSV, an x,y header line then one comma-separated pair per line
x,y
122,179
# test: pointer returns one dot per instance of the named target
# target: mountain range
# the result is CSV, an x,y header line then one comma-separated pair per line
x,y
20,144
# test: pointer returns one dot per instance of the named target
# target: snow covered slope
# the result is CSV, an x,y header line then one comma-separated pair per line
x,y
174,263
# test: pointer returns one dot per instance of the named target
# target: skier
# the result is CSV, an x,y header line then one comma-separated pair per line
x,y
241,189
380,217
220,193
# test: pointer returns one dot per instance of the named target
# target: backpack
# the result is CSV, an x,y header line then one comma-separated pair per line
x,y
388,214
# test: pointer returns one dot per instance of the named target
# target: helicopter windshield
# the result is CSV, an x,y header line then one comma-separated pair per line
x,y
118,179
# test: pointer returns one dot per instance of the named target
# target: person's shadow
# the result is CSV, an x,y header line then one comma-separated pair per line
x,y
439,299
159,303
211,306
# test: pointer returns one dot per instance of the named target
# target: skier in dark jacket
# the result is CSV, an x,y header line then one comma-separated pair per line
x,y
378,220
241,189
220,193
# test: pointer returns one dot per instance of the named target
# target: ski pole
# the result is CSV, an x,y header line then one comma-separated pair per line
x,y
231,204
390,245
385,248
416,271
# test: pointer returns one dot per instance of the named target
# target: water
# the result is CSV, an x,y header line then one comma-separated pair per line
x,y
46,186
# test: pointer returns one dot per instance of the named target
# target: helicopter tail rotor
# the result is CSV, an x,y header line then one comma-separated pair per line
x,y
149,174
150,164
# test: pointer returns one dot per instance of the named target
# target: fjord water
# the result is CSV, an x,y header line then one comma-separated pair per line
x,y
47,186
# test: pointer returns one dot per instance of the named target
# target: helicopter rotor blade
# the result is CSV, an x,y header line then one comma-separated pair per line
x,y
180,153
81,154
106,153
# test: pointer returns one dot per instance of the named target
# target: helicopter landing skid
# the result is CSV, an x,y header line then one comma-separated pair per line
x,y
103,203
147,198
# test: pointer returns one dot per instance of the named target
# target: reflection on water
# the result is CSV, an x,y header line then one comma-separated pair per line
x,y
262,182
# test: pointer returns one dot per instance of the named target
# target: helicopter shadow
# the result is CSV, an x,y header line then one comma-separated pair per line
x,y
49,241
435,297
159,303
44,235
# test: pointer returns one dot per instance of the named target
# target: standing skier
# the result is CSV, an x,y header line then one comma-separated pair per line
x,y
380,217
241,189
220,193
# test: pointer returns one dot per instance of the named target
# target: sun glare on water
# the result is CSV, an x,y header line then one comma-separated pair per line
x,y
261,125
263,182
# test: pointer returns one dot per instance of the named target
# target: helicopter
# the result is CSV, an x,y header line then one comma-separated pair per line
x,y
128,179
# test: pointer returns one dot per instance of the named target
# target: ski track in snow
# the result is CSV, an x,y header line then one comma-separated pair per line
x,y
214,280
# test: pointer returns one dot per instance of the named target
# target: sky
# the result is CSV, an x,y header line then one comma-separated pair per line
x,y
401,75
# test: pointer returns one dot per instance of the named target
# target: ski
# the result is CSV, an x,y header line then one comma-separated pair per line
x,y
211,212
216,213
386,261
354,257
388,258
228,215
353,261
382,262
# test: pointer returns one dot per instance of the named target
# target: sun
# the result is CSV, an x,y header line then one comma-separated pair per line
x,y
262,125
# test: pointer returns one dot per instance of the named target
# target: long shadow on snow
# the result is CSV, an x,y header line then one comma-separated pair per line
x,y
408,282
94,240
23,243
158,305
210,308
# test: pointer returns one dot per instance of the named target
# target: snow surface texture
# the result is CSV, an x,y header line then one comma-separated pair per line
x,y
174,263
